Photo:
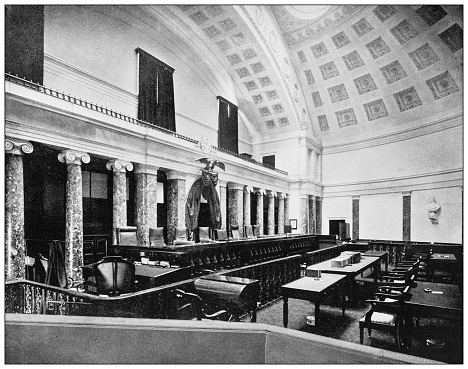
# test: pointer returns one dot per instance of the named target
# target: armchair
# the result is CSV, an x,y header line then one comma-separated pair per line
x,y
182,236
114,276
249,231
221,235
156,237
235,232
127,236
204,235
189,306
256,230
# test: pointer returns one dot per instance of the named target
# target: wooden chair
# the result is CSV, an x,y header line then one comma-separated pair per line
x,y
204,235
191,306
182,236
221,235
127,236
249,231
386,314
156,237
114,276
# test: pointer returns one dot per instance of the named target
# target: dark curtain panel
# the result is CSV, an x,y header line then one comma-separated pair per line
x,y
227,125
156,92
24,41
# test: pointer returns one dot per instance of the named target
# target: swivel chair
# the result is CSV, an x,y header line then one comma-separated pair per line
x,y
182,237
156,237
127,236
249,231
204,235
114,276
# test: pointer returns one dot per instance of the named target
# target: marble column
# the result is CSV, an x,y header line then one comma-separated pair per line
x,y
74,211
223,202
318,215
311,215
304,201
271,213
259,219
247,212
235,206
15,248
146,201
176,199
119,193
355,234
280,213
286,209
407,216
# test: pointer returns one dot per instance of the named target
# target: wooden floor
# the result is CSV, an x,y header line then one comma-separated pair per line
x,y
346,328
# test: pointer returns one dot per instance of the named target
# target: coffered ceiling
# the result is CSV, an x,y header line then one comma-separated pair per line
x,y
336,73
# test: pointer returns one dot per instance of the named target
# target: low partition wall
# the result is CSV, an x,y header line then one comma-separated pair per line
x,y
223,255
35,339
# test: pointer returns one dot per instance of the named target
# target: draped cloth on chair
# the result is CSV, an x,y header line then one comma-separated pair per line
x,y
206,186
56,272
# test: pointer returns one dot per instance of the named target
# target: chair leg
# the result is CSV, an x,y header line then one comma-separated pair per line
x,y
361,334
369,331
398,338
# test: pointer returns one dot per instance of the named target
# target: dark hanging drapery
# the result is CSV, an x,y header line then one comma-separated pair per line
x,y
156,91
227,125
24,41
206,187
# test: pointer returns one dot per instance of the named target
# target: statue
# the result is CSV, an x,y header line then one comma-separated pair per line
x,y
433,208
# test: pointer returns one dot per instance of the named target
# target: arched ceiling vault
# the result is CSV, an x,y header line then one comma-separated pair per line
x,y
350,73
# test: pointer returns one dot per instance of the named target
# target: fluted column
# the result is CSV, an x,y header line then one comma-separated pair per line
x,y
176,199
286,209
146,201
119,193
259,219
223,202
280,213
74,211
235,205
304,201
271,212
15,248
247,212
312,215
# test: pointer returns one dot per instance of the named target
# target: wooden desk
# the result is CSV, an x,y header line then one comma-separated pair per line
x,y
380,254
448,304
311,289
350,271
444,262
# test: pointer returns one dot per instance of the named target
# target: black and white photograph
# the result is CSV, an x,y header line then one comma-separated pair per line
x,y
232,184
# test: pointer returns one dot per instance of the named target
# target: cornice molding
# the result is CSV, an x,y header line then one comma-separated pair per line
x,y
405,134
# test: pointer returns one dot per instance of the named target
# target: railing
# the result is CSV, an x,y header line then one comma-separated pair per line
x,y
100,109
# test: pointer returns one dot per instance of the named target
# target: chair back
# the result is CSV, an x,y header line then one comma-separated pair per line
x,y
248,231
256,230
181,234
156,237
127,236
204,234
114,276
235,232
221,235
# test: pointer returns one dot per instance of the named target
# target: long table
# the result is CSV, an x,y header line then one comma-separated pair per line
x,y
311,289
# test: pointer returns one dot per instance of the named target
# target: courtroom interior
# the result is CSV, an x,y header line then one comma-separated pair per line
x,y
233,184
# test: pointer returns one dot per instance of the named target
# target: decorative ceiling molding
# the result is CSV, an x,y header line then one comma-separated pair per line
x,y
405,134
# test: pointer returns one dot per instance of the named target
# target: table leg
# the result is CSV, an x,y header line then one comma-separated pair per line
x,y
317,314
343,300
254,314
285,311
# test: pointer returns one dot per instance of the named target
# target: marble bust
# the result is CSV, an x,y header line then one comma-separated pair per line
x,y
432,208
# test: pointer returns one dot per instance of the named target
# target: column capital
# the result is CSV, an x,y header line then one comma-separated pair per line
x,y
118,165
70,156
17,147
146,168
312,197
259,190
222,182
248,189
271,193
406,193
235,186
175,174
356,197
280,195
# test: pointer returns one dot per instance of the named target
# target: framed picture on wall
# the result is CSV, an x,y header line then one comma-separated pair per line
x,y
293,223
